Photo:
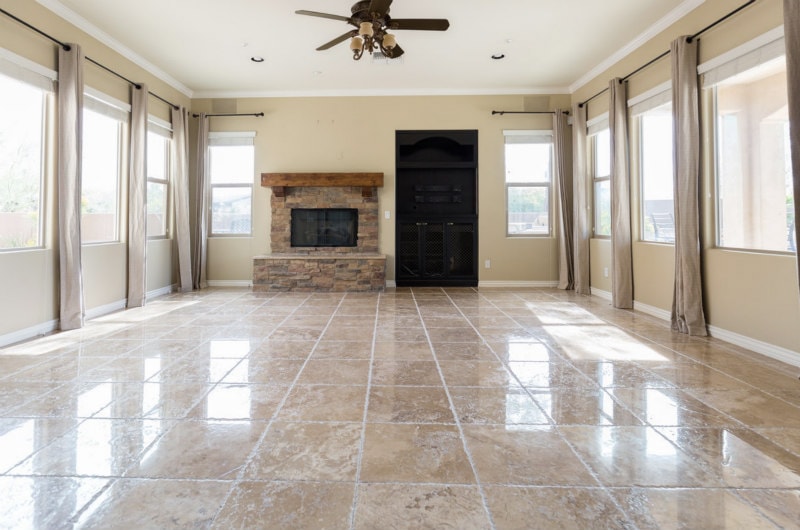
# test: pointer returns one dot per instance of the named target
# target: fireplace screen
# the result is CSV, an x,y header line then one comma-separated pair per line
x,y
324,227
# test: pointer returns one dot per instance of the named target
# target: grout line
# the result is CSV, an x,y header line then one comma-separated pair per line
x,y
364,417
454,412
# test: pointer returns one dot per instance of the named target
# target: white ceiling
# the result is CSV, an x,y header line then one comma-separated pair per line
x,y
203,47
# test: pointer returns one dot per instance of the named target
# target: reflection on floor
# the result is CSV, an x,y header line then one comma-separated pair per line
x,y
415,408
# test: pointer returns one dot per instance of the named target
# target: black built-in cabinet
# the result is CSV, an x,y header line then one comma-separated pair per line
x,y
437,208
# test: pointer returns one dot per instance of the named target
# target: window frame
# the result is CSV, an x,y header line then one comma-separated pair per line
x,y
639,107
109,107
751,55
162,129
536,136
595,127
229,138
23,71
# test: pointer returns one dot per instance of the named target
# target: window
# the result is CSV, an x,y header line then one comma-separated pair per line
x,y
655,141
158,164
601,182
102,141
755,200
232,166
22,131
529,169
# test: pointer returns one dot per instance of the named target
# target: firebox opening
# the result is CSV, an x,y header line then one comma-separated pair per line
x,y
324,227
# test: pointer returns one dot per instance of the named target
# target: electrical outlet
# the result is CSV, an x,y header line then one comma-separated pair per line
x,y
605,272
387,214
487,264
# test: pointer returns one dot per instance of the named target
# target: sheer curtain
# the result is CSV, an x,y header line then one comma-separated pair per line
x,y
180,194
200,232
562,148
137,198
791,25
621,252
70,133
580,183
687,302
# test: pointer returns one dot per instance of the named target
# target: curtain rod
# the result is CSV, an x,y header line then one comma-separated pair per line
x,y
690,39
501,112
256,114
67,47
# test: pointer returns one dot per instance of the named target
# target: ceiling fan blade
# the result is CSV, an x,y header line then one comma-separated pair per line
x,y
322,15
424,24
337,40
380,6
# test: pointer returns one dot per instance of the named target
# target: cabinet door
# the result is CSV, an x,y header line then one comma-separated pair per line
x,y
461,260
433,256
409,264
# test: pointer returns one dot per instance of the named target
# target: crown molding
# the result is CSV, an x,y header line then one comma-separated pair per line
x,y
243,94
84,25
672,17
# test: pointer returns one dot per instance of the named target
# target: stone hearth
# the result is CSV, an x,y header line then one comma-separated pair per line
x,y
359,268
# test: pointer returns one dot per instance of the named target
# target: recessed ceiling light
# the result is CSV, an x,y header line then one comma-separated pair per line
x,y
498,56
317,72
257,59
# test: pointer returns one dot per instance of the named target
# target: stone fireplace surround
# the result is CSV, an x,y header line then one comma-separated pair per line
x,y
311,269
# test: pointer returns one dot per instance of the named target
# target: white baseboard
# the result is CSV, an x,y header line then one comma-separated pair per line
x,y
605,295
653,311
28,333
155,293
522,285
391,284
102,310
230,283
764,348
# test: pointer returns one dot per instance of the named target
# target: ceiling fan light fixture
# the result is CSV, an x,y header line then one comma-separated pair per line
x,y
365,29
389,41
356,43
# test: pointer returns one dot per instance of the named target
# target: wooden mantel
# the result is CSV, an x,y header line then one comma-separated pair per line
x,y
279,181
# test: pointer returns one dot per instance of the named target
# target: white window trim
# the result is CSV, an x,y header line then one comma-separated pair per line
x,y
157,128
27,71
600,124
597,124
763,48
230,138
533,136
651,99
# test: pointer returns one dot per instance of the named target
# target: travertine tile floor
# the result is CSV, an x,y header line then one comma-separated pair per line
x,y
423,408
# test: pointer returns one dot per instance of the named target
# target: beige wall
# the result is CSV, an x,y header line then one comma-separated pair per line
x,y
28,279
754,295
358,134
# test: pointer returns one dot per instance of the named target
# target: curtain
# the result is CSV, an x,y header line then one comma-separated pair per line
x,y
687,301
621,250
562,148
70,133
137,198
791,25
200,231
580,184
180,195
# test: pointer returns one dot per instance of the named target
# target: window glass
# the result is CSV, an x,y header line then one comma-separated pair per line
x,y
22,121
231,176
157,184
601,167
655,136
528,163
100,180
755,201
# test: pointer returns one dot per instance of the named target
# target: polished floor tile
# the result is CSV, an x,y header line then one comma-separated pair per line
x,y
410,408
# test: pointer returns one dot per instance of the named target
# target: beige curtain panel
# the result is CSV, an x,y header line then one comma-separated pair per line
x,y
180,196
200,230
137,198
580,187
791,25
687,302
621,250
70,134
562,147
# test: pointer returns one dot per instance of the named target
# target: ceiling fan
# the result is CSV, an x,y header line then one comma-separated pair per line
x,y
372,20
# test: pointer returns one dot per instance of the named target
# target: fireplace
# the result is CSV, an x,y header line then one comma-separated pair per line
x,y
324,227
